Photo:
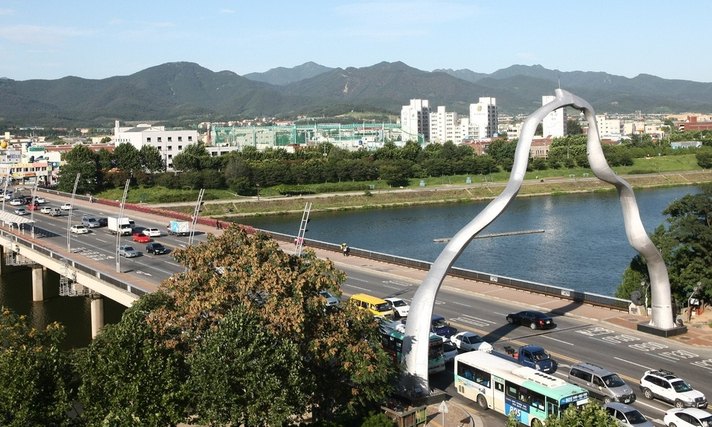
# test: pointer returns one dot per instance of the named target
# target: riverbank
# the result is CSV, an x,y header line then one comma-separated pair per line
x,y
452,193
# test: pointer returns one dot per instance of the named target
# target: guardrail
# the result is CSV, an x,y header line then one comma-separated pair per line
x,y
541,288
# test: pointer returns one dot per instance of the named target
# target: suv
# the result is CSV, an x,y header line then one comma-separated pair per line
x,y
90,222
668,387
601,383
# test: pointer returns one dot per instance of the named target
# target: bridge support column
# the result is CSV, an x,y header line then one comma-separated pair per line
x,y
2,259
97,315
37,282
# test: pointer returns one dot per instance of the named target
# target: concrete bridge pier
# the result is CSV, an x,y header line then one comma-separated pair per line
x,y
37,282
97,314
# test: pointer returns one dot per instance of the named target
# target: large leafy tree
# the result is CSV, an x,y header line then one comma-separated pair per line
x,y
151,159
127,158
686,245
35,373
194,157
79,159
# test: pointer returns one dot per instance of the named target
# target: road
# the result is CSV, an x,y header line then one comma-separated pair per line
x,y
627,352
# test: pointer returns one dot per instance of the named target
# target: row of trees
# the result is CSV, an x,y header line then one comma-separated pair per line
x,y
248,169
686,246
242,337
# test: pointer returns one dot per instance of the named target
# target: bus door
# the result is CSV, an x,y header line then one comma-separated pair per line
x,y
552,408
498,397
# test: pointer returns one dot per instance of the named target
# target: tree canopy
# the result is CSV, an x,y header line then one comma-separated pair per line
x,y
686,246
241,337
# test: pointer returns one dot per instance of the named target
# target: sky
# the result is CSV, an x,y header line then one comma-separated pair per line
x,y
48,39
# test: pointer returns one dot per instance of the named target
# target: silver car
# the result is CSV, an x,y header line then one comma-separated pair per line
x,y
127,251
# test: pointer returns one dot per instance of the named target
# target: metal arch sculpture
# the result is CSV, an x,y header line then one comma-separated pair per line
x,y
417,329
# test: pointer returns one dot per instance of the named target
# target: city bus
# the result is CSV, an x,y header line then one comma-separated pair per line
x,y
505,386
392,334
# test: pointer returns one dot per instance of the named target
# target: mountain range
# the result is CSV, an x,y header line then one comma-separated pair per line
x,y
184,92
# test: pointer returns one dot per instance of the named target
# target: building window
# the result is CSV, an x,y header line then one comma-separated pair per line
x,y
158,139
170,156
180,139
170,139
169,148
180,147
190,138
148,139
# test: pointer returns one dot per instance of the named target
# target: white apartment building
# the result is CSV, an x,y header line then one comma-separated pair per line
x,y
554,124
444,126
483,118
168,142
609,128
415,120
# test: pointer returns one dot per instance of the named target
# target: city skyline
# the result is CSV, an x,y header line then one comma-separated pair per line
x,y
95,40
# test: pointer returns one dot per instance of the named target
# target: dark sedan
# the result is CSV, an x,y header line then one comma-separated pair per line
x,y
533,319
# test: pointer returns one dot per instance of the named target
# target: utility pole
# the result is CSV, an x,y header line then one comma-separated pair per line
x,y
69,216
196,213
118,228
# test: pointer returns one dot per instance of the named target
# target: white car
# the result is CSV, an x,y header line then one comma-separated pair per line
x,y
688,417
40,200
152,232
66,207
79,229
16,202
21,211
399,307
449,351
46,209
470,341
667,386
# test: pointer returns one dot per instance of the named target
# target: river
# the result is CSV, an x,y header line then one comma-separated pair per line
x,y
583,246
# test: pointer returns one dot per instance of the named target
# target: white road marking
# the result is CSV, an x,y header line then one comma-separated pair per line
x,y
633,363
557,340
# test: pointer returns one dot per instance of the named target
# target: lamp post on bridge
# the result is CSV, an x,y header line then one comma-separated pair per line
x,y
69,217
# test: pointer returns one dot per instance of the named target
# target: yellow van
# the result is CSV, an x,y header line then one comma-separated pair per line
x,y
377,306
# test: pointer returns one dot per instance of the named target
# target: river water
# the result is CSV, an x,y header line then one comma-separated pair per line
x,y
583,246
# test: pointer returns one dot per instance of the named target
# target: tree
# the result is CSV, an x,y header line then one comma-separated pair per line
x,y
36,375
151,159
591,415
686,246
127,158
396,173
79,159
502,151
344,369
704,158
194,157
573,127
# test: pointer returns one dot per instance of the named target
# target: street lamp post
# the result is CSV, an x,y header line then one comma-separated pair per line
x,y
69,217
34,206
118,228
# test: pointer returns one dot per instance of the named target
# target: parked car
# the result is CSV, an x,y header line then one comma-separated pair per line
x,y
79,229
140,238
470,341
21,211
66,207
156,248
399,307
449,351
533,319
17,202
90,221
688,417
667,386
626,416
128,251
152,232
46,209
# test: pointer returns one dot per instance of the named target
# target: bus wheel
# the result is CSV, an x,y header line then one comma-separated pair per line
x,y
482,401
536,423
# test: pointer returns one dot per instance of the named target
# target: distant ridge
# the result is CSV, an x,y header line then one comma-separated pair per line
x,y
185,92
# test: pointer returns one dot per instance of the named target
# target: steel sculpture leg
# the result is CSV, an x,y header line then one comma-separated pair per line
x,y
415,345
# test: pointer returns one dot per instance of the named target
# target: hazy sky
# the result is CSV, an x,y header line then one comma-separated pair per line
x,y
50,39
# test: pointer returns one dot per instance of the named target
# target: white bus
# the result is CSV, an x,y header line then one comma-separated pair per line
x,y
505,386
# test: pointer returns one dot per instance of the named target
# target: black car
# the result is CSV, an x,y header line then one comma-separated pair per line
x,y
156,248
103,222
533,319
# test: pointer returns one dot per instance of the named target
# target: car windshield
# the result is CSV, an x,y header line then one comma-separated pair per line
x,y
613,380
539,355
681,386
439,323
398,303
706,422
635,417
475,339
383,307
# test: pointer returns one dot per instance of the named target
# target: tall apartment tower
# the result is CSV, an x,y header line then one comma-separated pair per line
x,y
483,118
554,124
415,120
443,126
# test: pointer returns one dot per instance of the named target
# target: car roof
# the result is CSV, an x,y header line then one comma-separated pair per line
x,y
619,406
695,412
598,370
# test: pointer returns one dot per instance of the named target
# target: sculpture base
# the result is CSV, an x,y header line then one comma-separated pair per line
x,y
654,330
